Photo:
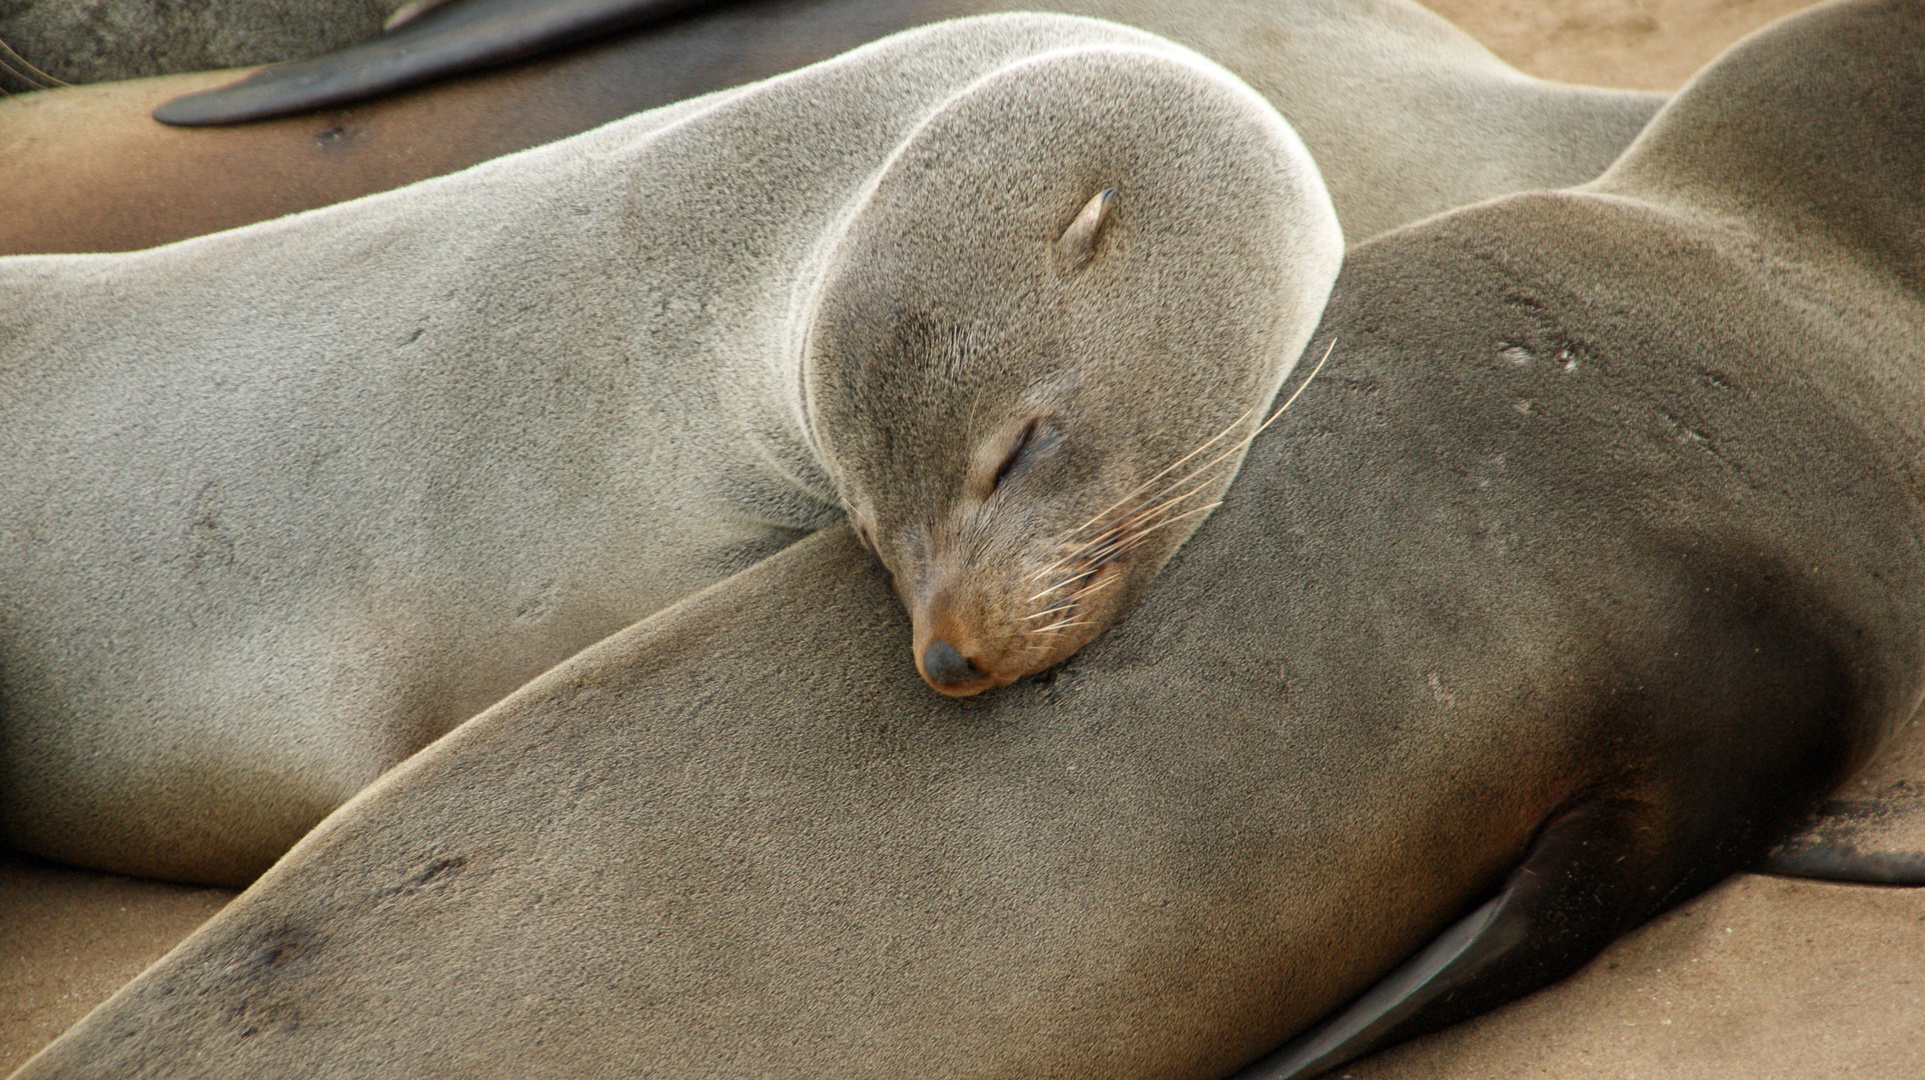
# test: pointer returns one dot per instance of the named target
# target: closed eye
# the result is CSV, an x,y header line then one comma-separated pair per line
x,y
1017,453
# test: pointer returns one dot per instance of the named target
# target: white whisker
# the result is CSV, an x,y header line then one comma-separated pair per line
x,y
1070,580
1172,466
1232,451
1131,529
1135,523
1062,626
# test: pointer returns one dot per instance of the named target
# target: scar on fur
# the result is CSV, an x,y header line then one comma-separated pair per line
x,y
1078,243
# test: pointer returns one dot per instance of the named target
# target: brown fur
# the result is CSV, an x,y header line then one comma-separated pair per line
x,y
979,398
1609,500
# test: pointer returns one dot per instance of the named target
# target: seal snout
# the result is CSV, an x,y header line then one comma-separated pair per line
x,y
947,669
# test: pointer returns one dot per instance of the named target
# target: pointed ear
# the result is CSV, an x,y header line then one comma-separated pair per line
x,y
1078,243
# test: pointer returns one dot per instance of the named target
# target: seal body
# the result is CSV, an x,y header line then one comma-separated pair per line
x,y
1405,115
1570,593
286,503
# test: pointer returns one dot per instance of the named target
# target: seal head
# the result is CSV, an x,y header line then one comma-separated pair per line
x,y
1038,347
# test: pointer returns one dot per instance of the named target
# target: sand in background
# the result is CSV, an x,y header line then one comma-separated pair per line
x,y
1634,44
69,938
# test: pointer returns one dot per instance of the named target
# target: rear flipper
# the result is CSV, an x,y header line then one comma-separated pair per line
x,y
447,39
1876,839
1568,899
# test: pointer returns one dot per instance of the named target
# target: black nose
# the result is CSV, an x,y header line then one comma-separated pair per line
x,y
945,666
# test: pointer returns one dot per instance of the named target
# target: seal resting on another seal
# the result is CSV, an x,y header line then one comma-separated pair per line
x,y
281,505
1598,561
1025,432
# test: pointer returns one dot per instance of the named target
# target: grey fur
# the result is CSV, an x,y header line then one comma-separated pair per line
x,y
986,414
319,489
1609,497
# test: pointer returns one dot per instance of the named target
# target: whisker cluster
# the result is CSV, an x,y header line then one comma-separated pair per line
x,y
1129,522
17,66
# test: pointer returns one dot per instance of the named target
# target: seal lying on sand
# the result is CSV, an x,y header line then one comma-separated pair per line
x,y
1590,563
430,39
283,504
1405,115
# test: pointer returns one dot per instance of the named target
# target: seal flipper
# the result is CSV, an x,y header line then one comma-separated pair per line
x,y
1871,831
1553,913
450,38
1874,840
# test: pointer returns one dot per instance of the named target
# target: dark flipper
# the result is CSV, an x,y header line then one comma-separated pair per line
x,y
452,38
1877,839
1555,911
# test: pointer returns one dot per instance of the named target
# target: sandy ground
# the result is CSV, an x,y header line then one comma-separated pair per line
x,y
1635,44
69,938
1760,978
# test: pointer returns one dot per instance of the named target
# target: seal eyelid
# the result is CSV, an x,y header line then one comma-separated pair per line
x,y
1022,446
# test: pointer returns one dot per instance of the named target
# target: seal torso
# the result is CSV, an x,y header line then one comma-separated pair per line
x,y
284,504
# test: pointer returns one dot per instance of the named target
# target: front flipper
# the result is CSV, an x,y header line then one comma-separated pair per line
x,y
1872,830
448,39
1874,839
1566,900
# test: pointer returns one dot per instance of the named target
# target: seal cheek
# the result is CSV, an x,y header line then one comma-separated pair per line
x,y
1055,633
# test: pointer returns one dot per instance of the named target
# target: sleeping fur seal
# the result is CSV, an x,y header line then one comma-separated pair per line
x,y
429,39
1594,558
1024,434
281,505
1405,115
